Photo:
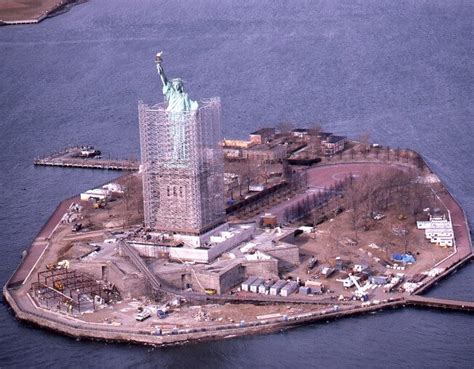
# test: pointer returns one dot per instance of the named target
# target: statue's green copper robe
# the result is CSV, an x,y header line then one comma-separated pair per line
x,y
179,104
178,101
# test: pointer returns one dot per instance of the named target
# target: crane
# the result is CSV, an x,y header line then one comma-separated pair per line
x,y
359,293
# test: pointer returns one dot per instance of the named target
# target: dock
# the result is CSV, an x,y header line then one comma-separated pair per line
x,y
466,306
70,158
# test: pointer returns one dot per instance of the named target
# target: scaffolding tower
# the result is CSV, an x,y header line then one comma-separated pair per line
x,y
183,168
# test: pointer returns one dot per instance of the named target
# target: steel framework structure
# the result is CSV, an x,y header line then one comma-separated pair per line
x,y
183,168
73,287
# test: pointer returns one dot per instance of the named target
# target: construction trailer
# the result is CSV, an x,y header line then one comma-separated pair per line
x,y
276,288
265,287
314,286
304,290
289,288
246,284
256,284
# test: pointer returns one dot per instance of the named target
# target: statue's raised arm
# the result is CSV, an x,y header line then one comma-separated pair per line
x,y
159,68
178,100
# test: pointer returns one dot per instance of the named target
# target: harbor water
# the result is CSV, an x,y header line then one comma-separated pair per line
x,y
399,71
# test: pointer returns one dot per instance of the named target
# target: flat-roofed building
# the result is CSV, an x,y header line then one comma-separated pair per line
x,y
233,149
266,153
263,135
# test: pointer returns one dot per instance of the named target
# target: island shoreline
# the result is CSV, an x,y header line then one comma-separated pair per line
x,y
105,332
45,12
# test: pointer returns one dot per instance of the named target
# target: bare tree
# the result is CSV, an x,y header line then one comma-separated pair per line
x,y
397,154
388,153
352,153
315,129
285,127
364,140
247,172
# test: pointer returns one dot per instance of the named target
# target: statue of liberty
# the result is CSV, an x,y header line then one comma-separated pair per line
x,y
179,107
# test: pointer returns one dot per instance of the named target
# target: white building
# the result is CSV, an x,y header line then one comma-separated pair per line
x,y
96,194
438,230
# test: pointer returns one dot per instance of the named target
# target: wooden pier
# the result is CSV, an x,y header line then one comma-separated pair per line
x,y
69,158
467,306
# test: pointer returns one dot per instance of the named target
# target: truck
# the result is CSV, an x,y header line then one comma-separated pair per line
x,y
143,315
311,263
99,204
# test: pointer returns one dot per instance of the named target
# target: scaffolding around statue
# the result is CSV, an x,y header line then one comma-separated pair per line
x,y
182,165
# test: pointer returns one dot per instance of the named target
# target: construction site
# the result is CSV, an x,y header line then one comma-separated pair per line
x,y
216,238
297,255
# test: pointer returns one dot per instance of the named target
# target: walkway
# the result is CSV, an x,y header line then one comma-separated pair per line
x,y
89,163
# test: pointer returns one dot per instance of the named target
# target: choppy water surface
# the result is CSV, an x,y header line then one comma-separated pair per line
x,y
400,71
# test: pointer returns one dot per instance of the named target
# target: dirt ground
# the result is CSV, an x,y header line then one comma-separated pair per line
x,y
188,316
17,10
333,238
123,210
336,238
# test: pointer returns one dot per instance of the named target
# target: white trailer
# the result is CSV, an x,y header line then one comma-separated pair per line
x,y
254,286
442,241
289,288
276,288
247,283
265,287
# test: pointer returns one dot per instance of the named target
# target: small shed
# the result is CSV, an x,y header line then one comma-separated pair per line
x,y
304,290
269,220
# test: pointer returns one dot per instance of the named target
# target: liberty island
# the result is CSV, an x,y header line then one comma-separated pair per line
x,y
201,267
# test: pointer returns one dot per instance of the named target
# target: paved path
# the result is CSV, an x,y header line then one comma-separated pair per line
x,y
460,227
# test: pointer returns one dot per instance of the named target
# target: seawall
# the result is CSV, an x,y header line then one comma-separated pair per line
x,y
27,310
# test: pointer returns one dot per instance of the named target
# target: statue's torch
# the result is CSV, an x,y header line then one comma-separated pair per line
x,y
159,57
